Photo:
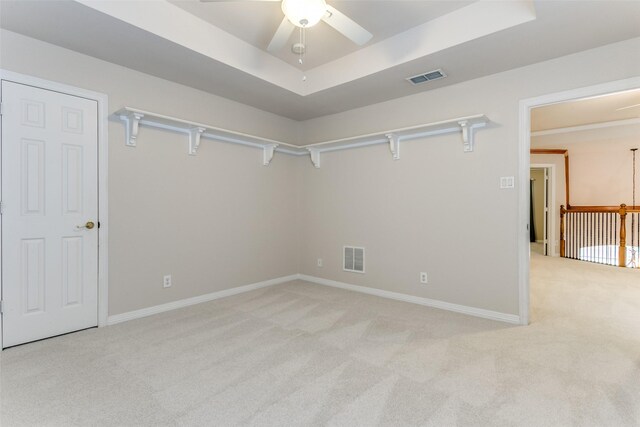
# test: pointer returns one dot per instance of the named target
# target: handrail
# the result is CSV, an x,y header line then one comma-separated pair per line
x,y
600,208
621,211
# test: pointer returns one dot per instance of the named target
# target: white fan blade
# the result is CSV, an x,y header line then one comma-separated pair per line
x,y
281,37
347,26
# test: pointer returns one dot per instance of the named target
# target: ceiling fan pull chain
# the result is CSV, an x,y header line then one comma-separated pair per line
x,y
300,40
302,46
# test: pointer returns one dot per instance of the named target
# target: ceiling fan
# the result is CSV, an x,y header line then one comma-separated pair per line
x,y
307,13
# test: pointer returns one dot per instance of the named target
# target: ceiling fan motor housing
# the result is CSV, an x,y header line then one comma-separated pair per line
x,y
304,13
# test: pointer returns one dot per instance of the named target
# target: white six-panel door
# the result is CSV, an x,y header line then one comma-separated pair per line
x,y
49,194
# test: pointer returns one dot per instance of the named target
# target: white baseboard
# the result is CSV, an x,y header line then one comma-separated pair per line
x,y
144,312
472,311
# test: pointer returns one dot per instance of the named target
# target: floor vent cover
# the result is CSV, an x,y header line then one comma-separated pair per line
x,y
353,259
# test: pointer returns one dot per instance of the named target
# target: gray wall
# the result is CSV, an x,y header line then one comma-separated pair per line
x,y
221,220
438,209
214,221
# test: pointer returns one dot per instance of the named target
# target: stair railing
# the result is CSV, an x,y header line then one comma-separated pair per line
x,y
601,234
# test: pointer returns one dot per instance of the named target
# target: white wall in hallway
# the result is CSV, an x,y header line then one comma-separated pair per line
x,y
601,163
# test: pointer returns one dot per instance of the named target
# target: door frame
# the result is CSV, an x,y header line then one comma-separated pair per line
x,y
524,160
551,222
103,199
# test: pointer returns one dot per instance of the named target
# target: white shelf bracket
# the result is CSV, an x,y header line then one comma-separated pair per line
x,y
195,134
315,157
394,145
131,127
267,153
467,136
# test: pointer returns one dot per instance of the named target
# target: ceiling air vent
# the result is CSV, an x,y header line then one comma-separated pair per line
x,y
353,259
427,77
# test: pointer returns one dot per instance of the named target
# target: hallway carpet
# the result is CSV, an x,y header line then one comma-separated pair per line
x,y
302,354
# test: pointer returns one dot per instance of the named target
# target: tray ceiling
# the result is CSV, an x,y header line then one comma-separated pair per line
x,y
616,107
223,51
256,22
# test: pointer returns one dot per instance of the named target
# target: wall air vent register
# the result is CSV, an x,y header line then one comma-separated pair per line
x,y
353,259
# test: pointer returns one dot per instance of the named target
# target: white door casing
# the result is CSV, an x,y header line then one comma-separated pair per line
x,y
49,191
545,231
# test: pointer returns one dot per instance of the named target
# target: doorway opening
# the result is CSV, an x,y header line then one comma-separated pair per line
x,y
559,124
542,233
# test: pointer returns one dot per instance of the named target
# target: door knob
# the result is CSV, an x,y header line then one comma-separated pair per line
x,y
89,225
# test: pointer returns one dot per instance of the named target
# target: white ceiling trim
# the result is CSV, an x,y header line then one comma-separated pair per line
x,y
172,23
465,24
591,126
179,26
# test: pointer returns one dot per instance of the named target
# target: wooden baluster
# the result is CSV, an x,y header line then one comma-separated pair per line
x,y
622,252
562,247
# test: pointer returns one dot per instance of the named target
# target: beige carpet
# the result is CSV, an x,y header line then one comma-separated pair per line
x,y
303,354
537,248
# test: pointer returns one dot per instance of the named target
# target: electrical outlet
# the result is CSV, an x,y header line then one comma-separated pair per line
x,y
319,262
423,278
166,281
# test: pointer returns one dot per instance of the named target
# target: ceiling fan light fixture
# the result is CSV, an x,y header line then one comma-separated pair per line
x,y
304,13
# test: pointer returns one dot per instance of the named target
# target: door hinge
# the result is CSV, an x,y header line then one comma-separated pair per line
x,y
1,108
1,306
1,207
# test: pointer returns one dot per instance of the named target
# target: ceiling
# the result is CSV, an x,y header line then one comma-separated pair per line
x,y
615,107
257,21
220,47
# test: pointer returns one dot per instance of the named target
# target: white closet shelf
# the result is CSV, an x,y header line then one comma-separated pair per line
x,y
133,118
464,125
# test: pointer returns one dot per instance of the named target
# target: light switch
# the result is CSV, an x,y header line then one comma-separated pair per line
x,y
507,182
